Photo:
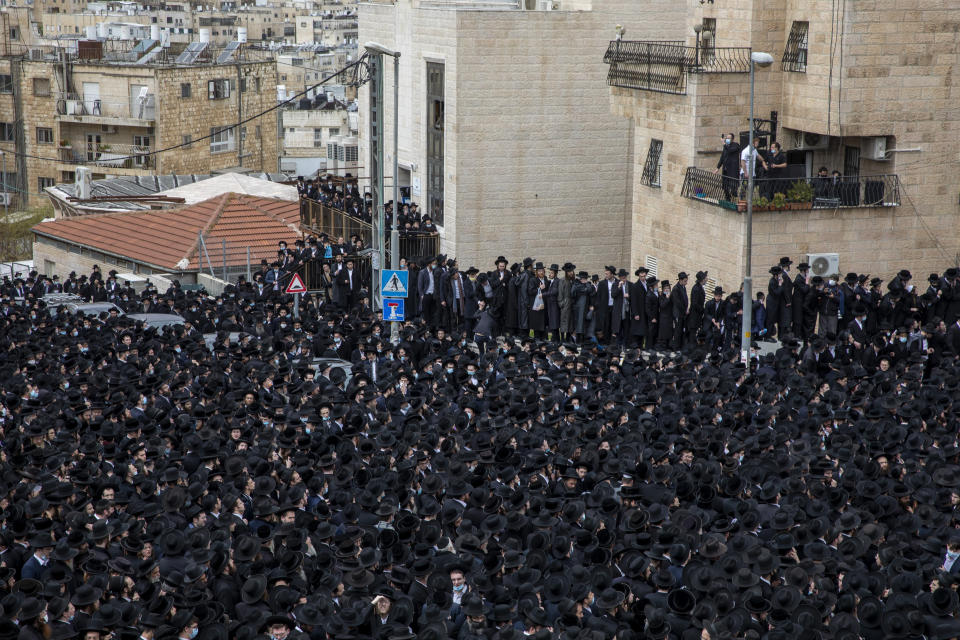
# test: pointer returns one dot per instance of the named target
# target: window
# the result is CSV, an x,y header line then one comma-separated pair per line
x,y
257,132
186,90
6,132
218,89
67,176
651,168
143,144
41,86
435,140
44,135
43,183
256,84
795,54
334,131
351,154
318,138
14,33
186,141
221,139
6,83
243,85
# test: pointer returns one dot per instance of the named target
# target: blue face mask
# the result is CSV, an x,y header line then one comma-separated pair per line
x,y
193,632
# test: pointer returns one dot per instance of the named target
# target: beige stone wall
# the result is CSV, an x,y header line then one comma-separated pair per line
x,y
38,112
195,116
535,164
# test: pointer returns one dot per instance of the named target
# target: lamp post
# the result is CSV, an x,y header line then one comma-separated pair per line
x,y
757,59
697,28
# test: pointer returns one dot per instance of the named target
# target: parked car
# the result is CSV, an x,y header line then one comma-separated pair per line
x,y
157,320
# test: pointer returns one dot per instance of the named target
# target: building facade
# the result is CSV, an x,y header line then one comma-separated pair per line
x,y
112,116
867,89
505,137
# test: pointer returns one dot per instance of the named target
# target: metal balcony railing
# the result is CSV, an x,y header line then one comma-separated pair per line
x,y
663,66
75,104
797,193
121,156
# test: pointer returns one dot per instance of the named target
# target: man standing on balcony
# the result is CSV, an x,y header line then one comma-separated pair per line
x,y
729,163
747,156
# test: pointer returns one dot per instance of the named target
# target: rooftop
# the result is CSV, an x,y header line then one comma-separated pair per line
x,y
141,186
168,239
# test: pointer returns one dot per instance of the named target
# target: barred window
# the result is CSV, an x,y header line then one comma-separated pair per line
x,y
651,168
795,53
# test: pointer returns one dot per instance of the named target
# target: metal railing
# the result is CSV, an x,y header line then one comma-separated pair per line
x,y
797,193
119,156
75,104
663,66
317,217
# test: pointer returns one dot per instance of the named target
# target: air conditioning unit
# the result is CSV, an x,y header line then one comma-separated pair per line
x,y
807,141
824,264
545,5
73,107
876,148
5,198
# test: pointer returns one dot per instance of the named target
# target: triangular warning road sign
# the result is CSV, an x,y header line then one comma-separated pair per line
x,y
394,285
296,285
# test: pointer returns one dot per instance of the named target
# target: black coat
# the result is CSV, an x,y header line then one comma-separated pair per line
x,y
638,310
552,304
729,162
698,297
665,319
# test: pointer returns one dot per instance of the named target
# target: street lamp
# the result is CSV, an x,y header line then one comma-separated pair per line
x,y
763,60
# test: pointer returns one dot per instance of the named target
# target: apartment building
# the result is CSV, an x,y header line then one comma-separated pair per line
x,y
505,136
313,133
868,89
111,114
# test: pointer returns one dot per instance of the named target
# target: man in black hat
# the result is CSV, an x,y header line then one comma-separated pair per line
x,y
698,298
605,301
638,308
800,289
679,303
428,288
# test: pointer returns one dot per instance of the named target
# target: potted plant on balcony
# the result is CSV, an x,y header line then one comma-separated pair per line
x,y
763,204
800,194
779,202
65,144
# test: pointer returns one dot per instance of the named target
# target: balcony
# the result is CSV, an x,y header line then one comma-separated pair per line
x,y
114,156
798,193
663,66
138,111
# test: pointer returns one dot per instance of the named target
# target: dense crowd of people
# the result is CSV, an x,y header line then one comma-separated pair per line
x,y
592,467
343,194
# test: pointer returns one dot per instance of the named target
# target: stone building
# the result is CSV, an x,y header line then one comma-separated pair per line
x,y
111,115
868,89
505,135
309,129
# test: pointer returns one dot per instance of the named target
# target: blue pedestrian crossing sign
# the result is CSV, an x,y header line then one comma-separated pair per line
x,y
394,283
393,310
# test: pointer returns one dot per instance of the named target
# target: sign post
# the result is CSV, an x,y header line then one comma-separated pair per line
x,y
394,288
296,287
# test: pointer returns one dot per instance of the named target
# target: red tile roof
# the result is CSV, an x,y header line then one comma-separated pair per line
x,y
164,238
